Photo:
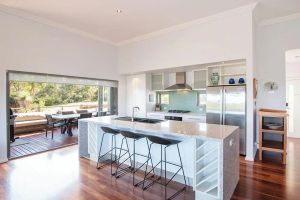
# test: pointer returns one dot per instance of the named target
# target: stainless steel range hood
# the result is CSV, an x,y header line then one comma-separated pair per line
x,y
180,82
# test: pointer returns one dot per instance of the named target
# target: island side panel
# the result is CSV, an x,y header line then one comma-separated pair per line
x,y
231,164
95,135
83,139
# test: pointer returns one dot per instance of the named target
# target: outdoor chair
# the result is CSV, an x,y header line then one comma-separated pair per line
x,y
52,124
82,116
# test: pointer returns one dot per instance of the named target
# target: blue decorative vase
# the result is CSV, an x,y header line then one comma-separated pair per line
x,y
241,81
231,81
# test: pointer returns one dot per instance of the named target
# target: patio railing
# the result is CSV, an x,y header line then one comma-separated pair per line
x,y
56,108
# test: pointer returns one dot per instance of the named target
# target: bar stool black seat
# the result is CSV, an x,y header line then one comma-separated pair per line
x,y
131,156
113,149
166,143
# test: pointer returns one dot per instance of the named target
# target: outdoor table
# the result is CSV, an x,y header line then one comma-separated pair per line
x,y
68,120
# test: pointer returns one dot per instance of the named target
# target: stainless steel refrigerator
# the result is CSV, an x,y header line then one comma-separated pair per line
x,y
227,105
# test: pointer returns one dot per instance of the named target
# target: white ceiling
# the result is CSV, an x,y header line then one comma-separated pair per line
x,y
139,17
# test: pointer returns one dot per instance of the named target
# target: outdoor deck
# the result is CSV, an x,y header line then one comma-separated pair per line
x,y
38,142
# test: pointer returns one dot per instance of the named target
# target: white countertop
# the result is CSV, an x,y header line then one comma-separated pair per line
x,y
178,128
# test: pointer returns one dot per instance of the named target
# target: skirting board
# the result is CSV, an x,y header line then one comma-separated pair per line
x,y
3,160
251,158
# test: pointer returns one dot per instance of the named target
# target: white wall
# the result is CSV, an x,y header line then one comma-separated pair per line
x,y
29,46
272,43
226,36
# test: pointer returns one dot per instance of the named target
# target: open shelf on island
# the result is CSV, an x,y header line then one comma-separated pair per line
x,y
207,168
208,185
213,191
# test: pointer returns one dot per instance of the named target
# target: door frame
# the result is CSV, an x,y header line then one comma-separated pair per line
x,y
292,134
7,115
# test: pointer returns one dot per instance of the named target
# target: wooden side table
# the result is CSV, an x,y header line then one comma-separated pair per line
x,y
266,116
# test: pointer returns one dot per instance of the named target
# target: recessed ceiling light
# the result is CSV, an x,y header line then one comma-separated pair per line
x,y
119,10
297,56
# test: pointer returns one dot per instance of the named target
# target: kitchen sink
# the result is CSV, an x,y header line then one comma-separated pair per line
x,y
142,120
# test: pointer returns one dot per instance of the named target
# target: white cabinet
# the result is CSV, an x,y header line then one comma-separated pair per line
x,y
171,79
154,115
163,80
136,94
200,79
199,119
157,82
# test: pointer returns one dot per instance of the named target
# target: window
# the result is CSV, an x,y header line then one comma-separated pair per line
x,y
164,98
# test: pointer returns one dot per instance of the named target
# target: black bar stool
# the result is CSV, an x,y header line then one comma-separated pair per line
x,y
113,149
131,156
166,143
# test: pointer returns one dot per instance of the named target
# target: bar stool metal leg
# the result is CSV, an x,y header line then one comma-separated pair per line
x,y
165,161
181,165
163,164
111,153
133,161
129,152
99,155
124,170
131,156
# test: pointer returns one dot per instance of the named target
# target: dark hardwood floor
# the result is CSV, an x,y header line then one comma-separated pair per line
x,y
37,142
60,174
269,179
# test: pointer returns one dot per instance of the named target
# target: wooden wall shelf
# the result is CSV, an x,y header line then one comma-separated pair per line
x,y
272,145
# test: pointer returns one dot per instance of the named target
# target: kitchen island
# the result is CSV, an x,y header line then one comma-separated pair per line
x,y
210,152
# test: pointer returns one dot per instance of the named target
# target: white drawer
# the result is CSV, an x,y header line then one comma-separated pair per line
x,y
199,119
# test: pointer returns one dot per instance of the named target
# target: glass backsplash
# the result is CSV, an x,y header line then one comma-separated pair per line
x,y
183,100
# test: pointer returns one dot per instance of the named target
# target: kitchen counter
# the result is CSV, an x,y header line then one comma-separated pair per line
x,y
210,152
178,129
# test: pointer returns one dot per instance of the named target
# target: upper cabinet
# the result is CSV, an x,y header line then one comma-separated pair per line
x,y
200,81
160,81
196,79
199,77
157,82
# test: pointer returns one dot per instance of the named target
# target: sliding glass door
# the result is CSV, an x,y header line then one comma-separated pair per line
x,y
108,101
31,96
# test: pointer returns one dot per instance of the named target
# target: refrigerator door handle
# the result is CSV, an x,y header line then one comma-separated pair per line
x,y
221,106
224,106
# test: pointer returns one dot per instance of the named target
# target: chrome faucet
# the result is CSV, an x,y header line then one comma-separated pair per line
x,y
133,109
